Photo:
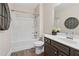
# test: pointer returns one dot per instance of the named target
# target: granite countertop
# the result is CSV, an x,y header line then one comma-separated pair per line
x,y
61,39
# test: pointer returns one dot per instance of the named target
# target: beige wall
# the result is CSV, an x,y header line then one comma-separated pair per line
x,y
23,7
62,13
41,20
5,43
48,17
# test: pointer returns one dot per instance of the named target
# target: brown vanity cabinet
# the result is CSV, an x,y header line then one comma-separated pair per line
x,y
74,52
60,47
53,48
49,50
46,40
60,53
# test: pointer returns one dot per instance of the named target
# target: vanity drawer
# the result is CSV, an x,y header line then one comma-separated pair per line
x,y
46,40
74,52
61,53
61,47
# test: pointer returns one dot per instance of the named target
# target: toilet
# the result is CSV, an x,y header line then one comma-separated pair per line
x,y
39,47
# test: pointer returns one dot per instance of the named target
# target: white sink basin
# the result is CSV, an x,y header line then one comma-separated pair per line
x,y
61,37
64,40
71,41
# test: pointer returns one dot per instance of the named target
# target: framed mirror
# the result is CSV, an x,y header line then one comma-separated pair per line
x,y
66,17
5,18
71,22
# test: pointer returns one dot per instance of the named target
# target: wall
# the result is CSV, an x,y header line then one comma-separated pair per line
x,y
23,7
5,42
48,17
62,12
41,20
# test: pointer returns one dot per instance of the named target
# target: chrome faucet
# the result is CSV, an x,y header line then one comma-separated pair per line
x,y
69,36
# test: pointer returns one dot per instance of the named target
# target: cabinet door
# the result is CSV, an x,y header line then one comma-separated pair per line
x,y
46,49
49,50
46,40
60,47
60,53
74,52
53,51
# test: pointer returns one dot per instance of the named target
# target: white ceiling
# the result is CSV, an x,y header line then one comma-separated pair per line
x,y
25,7
64,6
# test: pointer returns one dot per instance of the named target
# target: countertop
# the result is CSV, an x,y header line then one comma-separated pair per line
x,y
71,43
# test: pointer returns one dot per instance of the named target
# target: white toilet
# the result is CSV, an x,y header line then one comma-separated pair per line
x,y
39,48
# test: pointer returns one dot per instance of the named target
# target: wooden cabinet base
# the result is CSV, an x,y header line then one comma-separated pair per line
x,y
53,48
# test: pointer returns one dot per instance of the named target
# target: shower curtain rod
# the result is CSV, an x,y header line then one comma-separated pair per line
x,y
23,12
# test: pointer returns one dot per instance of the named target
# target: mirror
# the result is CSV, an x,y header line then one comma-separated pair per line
x,y
66,17
4,16
71,23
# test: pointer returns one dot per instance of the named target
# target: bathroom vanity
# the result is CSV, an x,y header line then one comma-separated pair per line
x,y
67,21
59,46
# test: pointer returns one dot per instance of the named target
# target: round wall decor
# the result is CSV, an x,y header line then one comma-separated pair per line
x,y
71,23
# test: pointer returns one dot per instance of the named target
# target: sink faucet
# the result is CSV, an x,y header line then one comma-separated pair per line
x,y
69,36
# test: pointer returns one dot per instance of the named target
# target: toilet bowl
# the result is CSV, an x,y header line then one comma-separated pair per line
x,y
39,48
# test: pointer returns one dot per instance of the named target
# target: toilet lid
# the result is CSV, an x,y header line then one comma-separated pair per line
x,y
38,43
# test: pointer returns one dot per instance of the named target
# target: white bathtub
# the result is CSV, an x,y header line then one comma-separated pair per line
x,y
22,45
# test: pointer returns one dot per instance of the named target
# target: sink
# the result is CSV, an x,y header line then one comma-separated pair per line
x,y
61,37
65,39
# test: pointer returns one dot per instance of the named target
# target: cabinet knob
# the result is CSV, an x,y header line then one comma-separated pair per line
x,y
46,40
55,52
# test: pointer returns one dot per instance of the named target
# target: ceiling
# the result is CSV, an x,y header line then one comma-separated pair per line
x,y
25,7
64,6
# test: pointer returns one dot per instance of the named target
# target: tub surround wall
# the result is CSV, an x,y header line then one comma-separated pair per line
x,y
37,22
22,27
22,36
